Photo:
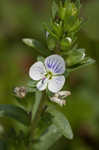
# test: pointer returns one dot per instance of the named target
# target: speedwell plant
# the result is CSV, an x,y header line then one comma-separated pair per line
x,y
58,56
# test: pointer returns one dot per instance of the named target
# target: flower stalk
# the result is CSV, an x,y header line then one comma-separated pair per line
x,y
36,116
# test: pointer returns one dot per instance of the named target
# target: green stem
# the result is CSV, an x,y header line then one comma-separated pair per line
x,y
36,115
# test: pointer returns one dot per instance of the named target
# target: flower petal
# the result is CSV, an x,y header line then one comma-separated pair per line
x,y
56,83
42,84
55,64
37,71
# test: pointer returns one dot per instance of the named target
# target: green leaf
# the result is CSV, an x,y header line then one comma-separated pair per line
x,y
61,122
14,112
51,135
37,46
87,61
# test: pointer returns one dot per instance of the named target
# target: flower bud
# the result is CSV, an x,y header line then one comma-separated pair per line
x,y
51,43
75,57
62,13
74,10
65,43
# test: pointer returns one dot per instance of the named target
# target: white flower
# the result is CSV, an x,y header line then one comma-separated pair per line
x,y
59,97
49,73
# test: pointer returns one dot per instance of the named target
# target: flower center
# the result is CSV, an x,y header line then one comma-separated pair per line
x,y
49,75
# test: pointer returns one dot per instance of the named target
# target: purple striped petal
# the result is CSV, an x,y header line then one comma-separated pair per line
x,y
55,64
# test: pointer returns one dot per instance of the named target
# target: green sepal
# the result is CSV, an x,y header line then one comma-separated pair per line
x,y
62,12
48,28
51,42
65,44
71,9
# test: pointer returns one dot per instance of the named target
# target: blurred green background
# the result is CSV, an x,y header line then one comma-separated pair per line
x,y
23,19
